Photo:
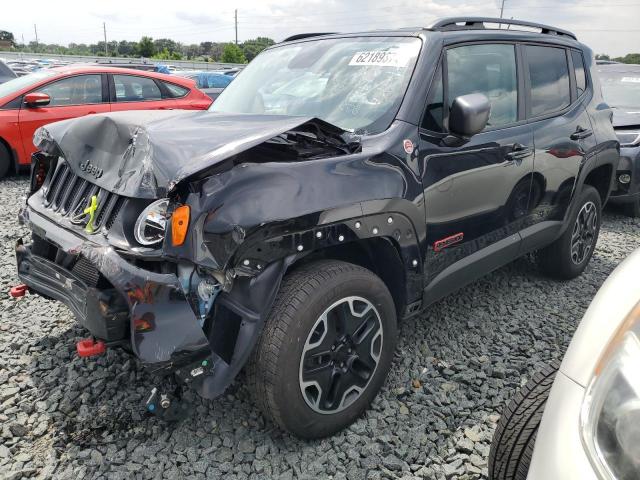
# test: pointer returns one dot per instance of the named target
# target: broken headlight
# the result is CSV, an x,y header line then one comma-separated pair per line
x,y
152,223
610,418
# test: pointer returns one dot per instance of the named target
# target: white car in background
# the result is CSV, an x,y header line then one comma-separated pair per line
x,y
582,420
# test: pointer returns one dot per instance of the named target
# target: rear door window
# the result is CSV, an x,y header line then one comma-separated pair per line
x,y
131,88
549,79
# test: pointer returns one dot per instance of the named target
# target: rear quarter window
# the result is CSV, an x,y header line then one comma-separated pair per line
x,y
175,91
581,76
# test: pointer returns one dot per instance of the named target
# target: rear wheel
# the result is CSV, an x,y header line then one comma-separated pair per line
x,y
569,255
325,350
515,436
5,160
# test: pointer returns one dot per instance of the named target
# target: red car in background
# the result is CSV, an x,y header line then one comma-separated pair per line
x,y
46,96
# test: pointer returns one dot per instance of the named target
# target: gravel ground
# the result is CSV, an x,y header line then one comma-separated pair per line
x,y
66,417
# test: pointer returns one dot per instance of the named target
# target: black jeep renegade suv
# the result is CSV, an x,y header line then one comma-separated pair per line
x,y
340,183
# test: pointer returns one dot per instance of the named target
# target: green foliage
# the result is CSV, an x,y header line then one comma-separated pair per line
x,y
251,48
232,53
165,54
629,58
6,37
146,48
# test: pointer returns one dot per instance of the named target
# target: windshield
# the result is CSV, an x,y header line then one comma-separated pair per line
x,y
354,83
17,84
621,89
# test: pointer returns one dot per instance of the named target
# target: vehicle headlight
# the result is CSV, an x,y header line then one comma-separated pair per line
x,y
152,223
610,417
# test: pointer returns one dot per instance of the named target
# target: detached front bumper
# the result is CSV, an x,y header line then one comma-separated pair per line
x,y
110,295
103,312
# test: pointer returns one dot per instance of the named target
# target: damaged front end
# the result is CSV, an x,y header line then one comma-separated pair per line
x,y
127,233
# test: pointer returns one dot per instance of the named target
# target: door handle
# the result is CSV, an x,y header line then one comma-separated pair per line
x,y
518,152
581,133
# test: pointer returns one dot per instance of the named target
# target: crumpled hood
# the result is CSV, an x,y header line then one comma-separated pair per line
x,y
145,153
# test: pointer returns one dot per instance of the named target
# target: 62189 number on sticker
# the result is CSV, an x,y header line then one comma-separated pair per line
x,y
379,58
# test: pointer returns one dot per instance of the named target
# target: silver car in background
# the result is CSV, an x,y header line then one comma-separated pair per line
x,y
581,419
621,90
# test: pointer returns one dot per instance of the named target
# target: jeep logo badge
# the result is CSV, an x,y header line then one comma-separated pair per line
x,y
91,169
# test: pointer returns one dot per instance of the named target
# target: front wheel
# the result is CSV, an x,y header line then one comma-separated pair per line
x,y
569,255
325,350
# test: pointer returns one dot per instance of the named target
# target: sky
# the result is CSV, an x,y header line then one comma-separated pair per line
x,y
611,28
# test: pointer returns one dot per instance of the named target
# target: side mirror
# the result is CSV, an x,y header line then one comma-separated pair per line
x,y
469,114
37,99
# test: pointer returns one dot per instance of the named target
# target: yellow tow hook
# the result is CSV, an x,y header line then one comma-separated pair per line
x,y
91,210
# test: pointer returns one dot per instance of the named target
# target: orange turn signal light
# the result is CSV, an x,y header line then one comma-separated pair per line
x,y
179,225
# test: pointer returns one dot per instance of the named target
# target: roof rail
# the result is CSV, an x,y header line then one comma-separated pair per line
x,y
300,36
478,23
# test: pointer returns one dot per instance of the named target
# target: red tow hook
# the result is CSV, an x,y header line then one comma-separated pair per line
x,y
90,348
18,290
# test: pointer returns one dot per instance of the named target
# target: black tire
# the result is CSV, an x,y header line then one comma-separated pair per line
x,y
632,209
275,372
515,436
5,161
558,260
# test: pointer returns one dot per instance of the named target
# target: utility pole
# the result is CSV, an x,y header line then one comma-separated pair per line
x,y
35,29
502,9
104,27
236,26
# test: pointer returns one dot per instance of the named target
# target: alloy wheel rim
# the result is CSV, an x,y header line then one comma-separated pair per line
x,y
584,233
341,355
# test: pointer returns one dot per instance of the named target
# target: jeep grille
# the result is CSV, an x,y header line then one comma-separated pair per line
x,y
68,195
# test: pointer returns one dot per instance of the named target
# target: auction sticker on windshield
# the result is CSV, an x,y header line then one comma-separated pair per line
x,y
381,58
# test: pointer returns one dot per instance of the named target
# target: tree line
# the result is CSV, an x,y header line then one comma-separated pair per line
x,y
628,58
147,47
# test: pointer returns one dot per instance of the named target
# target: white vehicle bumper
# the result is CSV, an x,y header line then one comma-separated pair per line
x,y
558,452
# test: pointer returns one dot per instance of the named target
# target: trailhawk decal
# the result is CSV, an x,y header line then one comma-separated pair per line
x,y
440,245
